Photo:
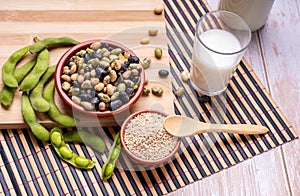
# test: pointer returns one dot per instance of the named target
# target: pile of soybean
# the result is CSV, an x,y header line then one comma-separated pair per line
x,y
35,80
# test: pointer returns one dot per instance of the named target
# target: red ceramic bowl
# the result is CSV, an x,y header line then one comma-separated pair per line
x,y
136,159
107,113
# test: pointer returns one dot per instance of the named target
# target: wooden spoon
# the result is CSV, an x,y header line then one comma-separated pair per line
x,y
182,126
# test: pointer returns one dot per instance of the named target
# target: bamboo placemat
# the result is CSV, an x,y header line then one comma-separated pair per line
x,y
29,167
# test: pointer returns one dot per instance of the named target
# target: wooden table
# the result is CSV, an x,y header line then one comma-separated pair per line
x,y
274,56
273,53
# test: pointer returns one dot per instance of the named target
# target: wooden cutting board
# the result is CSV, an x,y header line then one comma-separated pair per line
x,y
12,118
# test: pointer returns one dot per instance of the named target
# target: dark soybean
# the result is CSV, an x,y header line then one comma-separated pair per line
x,y
133,59
93,93
105,45
124,97
163,73
125,65
95,101
100,73
75,84
135,79
129,91
69,61
204,98
116,104
85,97
86,57
99,56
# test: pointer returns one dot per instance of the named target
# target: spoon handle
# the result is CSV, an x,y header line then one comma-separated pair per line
x,y
228,128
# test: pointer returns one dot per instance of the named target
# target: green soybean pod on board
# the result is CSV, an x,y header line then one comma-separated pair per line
x,y
30,118
113,155
37,100
31,80
9,67
92,140
65,153
54,113
7,93
41,44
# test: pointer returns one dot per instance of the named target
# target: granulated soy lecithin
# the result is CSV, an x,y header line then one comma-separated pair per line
x,y
146,138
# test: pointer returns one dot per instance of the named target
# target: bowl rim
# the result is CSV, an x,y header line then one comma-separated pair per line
x,y
58,82
137,159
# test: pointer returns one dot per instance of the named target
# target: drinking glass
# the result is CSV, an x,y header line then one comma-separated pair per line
x,y
221,39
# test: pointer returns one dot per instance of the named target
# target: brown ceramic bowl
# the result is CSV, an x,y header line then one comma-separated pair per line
x,y
105,113
135,158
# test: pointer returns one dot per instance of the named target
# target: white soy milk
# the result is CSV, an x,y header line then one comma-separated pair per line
x,y
212,68
254,12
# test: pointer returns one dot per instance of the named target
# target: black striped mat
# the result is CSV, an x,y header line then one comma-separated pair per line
x,y
29,167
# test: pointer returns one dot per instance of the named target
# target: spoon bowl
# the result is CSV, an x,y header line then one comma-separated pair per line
x,y
182,126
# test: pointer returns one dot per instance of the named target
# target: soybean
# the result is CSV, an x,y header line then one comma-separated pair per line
x,y
152,32
39,69
158,10
30,118
9,66
65,153
7,93
146,63
163,73
54,113
38,103
113,155
184,76
179,92
156,90
145,40
158,53
146,91
47,42
204,98
92,140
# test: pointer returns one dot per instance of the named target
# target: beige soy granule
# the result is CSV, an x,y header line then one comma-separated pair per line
x,y
146,138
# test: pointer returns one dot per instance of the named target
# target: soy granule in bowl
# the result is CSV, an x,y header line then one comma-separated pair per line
x,y
146,138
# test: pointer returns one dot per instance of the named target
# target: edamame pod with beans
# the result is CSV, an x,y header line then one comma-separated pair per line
x,y
7,93
9,67
31,80
30,118
47,42
65,153
94,141
113,155
38,103
54,113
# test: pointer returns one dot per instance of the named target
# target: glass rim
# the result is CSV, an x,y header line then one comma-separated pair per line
x,y
230,13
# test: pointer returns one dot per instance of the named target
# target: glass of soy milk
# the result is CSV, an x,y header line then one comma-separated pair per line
x,y
221,39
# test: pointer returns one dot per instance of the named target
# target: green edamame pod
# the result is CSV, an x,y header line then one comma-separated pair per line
x,y
65,153
87,138
38,103
113,155
41,44
39,69
9,67
54,113
7,93
30,118
22,71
